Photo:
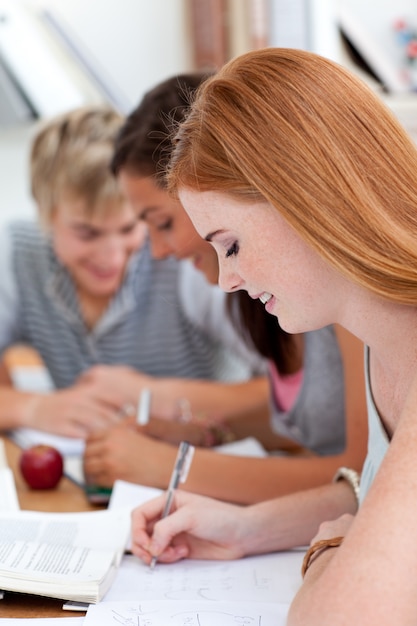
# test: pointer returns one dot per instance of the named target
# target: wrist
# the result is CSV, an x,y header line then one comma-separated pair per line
x,y
317,549
216,434
352,478
28,410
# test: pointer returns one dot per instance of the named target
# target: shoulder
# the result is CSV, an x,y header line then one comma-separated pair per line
x,y
6,250
25,237
24,248
8,279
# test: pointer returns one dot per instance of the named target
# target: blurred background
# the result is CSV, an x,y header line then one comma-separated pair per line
x,y
59,54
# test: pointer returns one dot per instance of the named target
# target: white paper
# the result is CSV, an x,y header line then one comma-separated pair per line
x,y
74,469
34,378
26,437
265,578
130,495
243,447
8,494
186,614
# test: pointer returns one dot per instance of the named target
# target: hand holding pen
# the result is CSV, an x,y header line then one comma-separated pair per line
x,y
179,474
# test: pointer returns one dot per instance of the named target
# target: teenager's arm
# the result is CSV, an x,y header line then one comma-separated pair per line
x,y
203,528
72,412
372,577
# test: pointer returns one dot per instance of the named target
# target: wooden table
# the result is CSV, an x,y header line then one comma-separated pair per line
x,y
67,497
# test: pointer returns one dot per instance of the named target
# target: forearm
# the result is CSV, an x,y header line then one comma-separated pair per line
x,y
372,574
246,480
293,520
15,407
257,423
213,399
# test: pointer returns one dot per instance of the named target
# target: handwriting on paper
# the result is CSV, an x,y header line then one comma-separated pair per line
x,y
186,614
267,578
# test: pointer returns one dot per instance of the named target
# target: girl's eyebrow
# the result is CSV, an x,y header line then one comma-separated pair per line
x,y
210,236
143,215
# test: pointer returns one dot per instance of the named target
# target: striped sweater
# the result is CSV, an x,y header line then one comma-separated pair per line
x,y
146,326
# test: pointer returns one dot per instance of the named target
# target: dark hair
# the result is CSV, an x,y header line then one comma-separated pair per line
x,y
143,145
261,330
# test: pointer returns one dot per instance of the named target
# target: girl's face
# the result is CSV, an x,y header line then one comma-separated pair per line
x,y
260,252
96,249
171,231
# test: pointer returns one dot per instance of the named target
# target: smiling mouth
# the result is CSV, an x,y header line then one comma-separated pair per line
x,y
103,274
265,297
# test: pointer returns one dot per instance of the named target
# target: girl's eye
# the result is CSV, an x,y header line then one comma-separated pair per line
x,y
127,230
165,225
233,250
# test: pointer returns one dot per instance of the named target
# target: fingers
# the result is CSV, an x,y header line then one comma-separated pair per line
x,y
108,455
143,521
332,528
162,538
89,420
171,554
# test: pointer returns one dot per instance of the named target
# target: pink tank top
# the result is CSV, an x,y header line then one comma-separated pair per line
x,y
285,388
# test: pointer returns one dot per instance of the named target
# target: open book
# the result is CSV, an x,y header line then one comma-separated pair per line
x,y
73,556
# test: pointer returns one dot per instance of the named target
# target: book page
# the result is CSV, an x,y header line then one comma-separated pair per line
x,y
44,546
186,613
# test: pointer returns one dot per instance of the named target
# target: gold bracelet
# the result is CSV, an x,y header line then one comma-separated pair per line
x,y
351,477
318,548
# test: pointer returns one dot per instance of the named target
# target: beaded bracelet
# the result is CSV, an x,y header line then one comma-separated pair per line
x,y
318,548
351,477
214,432
217,434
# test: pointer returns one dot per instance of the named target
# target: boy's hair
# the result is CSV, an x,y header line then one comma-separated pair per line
x,y
70,158
143,146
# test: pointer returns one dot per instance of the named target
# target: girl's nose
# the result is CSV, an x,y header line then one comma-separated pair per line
x,y
159,246
229,281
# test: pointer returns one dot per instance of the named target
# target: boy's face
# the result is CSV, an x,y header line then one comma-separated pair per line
x,y
96,249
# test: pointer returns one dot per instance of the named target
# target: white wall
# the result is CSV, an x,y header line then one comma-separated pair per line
x,y
137,43
134,43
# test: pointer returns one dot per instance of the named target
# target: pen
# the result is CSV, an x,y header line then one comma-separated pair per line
x,y
179,474
144,407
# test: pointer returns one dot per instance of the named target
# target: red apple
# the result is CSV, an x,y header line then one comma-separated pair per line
x,y
41,466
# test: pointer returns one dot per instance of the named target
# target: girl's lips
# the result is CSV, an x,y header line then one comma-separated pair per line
x,y
269,306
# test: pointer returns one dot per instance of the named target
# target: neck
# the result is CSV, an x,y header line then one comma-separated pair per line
x,y
390,331
92,308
